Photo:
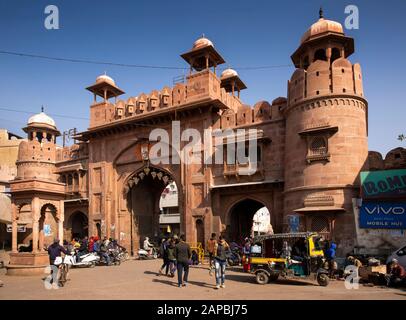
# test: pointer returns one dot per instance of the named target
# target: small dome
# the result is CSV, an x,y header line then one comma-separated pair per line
x,y
320,27
41,119
202,42
105,78
227,73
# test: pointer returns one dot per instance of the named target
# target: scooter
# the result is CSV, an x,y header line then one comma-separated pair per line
x,y
88,260
145,255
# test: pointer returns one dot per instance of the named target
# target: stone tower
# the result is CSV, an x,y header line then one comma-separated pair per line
x,y
326,133
36,157
37,197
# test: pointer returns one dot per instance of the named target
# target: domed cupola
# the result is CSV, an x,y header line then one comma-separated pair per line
x,y
203,55
231,81
105,87
324,40
322,27
42,126
41,120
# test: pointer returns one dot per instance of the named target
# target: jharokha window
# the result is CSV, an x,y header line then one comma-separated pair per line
x,y
317,149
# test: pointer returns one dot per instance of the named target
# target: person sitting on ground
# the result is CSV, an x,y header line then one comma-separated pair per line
x,y
195,258
354,261
396,276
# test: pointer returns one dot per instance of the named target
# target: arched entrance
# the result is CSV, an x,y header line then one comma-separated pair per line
x,y
200,231
145,190
79,225
241,217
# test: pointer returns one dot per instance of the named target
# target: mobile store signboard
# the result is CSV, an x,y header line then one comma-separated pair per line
x,y
383,215
383,184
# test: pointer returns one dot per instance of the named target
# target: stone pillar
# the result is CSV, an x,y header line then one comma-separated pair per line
x,y
14,230
328,55
61,218
37,239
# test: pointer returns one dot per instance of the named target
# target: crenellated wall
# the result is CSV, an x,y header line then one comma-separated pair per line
x,y
200,86
320,79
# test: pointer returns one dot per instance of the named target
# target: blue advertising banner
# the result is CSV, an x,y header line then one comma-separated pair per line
x,y
383,215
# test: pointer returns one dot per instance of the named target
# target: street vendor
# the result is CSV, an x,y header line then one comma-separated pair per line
x,y
396,275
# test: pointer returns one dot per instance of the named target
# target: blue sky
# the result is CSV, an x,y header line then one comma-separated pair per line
x,y
246,33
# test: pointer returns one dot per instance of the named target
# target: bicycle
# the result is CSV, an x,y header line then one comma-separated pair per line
x,y
63,269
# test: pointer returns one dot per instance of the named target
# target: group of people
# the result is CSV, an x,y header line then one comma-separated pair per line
x,y
177,255
83,246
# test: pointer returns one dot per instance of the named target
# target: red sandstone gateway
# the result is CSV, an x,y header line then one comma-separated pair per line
x,y
311,147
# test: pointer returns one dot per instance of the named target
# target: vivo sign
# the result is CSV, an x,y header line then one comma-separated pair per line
x,y
382,210
383,215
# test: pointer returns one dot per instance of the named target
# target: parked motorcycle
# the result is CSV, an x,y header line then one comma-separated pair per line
x,y
233,257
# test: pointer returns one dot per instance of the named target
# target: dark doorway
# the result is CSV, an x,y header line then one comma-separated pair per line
x,y
241,219
200,231
98,229
79,224
143,202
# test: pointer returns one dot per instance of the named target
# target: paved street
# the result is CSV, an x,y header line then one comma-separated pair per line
x,y
139,280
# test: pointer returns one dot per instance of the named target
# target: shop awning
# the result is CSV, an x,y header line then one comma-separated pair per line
x,y
319,209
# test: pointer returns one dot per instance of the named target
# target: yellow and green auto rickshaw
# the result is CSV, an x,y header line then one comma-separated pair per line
x,y
288,255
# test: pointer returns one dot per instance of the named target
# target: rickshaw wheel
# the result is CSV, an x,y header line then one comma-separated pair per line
x,y
262,277
322,279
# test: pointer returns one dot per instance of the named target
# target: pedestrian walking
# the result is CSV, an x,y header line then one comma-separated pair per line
x,y
220,261
163,251
183,253
211,243
171,257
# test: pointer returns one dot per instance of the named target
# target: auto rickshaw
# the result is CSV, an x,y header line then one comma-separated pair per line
x,y
288,255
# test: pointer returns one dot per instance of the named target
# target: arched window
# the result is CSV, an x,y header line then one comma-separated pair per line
x,y
39,137
320,55
318,146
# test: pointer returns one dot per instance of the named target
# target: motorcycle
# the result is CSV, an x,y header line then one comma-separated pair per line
x,y
114,261
233,257
145,255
